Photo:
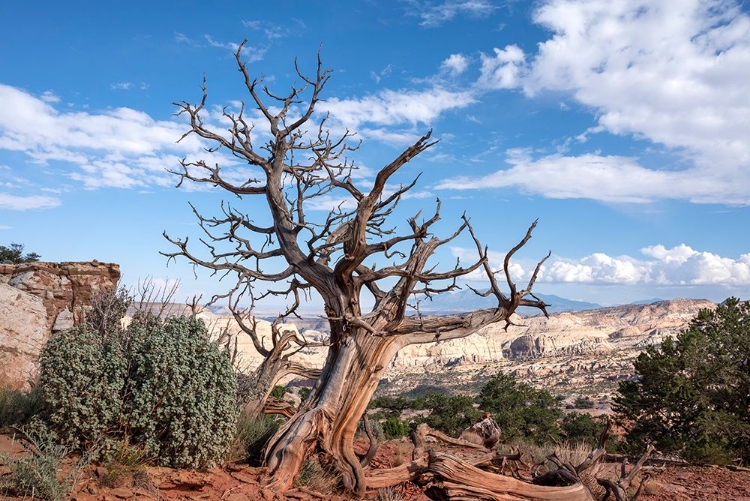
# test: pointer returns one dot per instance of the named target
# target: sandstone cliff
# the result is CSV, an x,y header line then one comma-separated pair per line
x,y
584,352
37,299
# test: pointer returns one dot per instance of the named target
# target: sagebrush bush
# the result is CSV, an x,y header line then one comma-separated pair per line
x,y
17,407
37,473
252,435
159,384
82,376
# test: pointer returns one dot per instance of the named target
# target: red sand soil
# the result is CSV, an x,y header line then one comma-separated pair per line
x,y
236,482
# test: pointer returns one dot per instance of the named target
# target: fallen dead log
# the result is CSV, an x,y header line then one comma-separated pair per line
x,y
449,477
455,479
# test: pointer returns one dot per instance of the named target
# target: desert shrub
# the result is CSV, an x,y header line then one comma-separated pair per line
x,y
278,391
304,392
393,427
521,410
389,494
690,396
392,403
123,462
318,476
450,414
583,403
37,473
252,435
581,428
82,377
158,384
17,407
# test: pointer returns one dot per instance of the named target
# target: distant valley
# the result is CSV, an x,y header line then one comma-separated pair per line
x,y
582,352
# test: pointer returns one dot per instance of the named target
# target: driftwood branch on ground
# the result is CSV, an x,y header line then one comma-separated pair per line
x,y
447,476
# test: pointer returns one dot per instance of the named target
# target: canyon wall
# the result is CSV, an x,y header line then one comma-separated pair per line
x,y
37,299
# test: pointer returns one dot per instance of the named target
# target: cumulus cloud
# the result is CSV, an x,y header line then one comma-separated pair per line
x,y
680,265
49,97
657,266
455,64
673,73
122,147
503,70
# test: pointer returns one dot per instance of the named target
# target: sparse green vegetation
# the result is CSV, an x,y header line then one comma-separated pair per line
x,y
14,255
161,385
521,410
37,474
251,436
18,407
691,395
583,403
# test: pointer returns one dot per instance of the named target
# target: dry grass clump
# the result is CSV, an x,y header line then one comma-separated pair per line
x,y
317,477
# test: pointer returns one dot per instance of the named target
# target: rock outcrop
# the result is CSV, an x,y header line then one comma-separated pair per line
x,y
585,351
37,299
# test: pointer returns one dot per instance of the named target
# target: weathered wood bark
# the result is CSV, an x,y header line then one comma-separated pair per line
x,y
460,480
335,257
619,488
481,476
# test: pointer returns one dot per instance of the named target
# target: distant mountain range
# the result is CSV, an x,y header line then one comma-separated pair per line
x,y
466,300
462,301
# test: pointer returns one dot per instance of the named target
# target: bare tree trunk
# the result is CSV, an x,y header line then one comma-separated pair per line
x,y
350,378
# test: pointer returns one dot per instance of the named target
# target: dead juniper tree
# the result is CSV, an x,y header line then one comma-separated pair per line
x,y
298,165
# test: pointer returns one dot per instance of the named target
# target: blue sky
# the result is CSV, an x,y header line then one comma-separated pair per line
x,y
622,125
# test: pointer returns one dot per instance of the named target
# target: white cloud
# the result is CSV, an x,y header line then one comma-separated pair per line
x,y
673,73
659,266
606,178
455,64
436,14
13,202
5,227
122,147
396,107
271,30
678,266
504,70
49,97
121,86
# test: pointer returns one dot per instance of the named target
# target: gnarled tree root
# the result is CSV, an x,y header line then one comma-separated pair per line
x,y
448,477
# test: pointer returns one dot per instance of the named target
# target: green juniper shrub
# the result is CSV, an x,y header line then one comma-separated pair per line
x,y
691,395
159,384
14,255
521,410
304,392
278,391
393,427
582,428
450,414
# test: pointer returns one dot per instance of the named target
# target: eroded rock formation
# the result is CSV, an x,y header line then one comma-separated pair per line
x,y
37,299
